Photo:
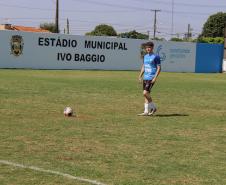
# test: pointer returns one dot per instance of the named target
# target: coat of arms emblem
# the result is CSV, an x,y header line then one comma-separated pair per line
x,y
17,45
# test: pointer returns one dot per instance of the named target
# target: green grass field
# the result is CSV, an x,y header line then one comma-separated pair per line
x,y
183,144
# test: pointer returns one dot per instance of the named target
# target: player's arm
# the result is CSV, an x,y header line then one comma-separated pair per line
x,y
158,62
156,74
141,73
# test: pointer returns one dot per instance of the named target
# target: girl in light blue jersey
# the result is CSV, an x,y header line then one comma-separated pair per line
x,y
150,70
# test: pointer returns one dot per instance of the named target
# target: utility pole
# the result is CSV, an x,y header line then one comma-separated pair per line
x,y
67,26
188,34
189,31
155,27
148,32
172,19
57,17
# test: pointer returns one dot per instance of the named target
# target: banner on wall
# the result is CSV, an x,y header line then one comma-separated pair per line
x,y
176,56
59,51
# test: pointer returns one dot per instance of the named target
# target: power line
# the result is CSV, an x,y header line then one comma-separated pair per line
x,y
137,9
145,9
71,20
73,11
185,4
112,5
26,7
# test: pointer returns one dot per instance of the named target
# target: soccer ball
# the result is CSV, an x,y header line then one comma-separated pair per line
x,y
68,111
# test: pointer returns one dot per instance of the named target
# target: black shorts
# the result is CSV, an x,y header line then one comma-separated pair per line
x,y
147,85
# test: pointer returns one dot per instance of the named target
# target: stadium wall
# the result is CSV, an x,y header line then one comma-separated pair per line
x,y
60,51
209,58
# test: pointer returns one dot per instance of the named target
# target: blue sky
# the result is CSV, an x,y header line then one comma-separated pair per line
x,y
123,15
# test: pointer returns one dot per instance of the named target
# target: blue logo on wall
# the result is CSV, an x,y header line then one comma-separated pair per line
x,y
161,54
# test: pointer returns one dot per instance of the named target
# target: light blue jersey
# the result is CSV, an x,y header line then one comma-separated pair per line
x,y
151,61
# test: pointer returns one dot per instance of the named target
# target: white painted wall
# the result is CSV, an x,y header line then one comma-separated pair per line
x,y
224,65
37,54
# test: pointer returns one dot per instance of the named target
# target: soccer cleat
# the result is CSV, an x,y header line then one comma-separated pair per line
x,y
143,114
152,112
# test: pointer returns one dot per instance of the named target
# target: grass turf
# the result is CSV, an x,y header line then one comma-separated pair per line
x,y
184,143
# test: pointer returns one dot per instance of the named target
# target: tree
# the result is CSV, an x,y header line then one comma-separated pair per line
x,y
214,26
103,30
159,39
48,26
211,40
176,39
133,35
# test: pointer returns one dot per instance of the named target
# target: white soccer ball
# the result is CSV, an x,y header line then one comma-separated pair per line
x,y
68,111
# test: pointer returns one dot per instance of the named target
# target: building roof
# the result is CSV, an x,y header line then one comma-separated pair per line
x,y
28,29
21,28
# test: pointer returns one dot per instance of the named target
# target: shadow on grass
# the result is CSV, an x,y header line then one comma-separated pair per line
x,y
170,115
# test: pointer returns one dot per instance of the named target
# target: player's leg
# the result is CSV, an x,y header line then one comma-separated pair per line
x,y
147,94
147,97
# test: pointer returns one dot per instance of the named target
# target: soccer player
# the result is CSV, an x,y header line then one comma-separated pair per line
x,y
150,70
